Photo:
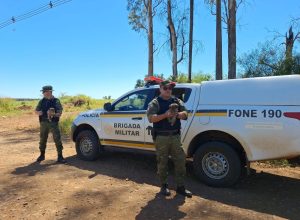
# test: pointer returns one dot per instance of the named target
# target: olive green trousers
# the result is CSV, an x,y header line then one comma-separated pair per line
x,y
170,146
45,128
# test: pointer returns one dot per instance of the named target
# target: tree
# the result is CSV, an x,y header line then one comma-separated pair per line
x,y
176,37
268,59
230,8
289,62
141,13
232,39
191,40
262,61
290,39
219,63
139,83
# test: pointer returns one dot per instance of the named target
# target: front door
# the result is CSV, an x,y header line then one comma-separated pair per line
x,y
124,126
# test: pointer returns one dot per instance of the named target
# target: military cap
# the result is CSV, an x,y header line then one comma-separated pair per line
x,y
167,83
47,88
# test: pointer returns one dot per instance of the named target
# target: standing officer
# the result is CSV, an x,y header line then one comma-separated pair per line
x,y
167,138
49,110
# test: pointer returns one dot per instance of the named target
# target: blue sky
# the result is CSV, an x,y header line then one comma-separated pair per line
x,y
87,46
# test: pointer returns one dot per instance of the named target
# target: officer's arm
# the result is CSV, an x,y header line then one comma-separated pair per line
x,y
152,111
157,118
38,109
182,112
59,108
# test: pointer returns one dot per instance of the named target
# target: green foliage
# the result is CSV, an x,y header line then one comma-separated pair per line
x,y
137,16
9,106
199,77
268,60
82,102
277,163
6,104
75,99
182,78
196,78
139,83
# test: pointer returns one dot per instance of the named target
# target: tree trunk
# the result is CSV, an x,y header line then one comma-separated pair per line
x,y
219,70
232,39
191,40
150,39
289,44
173,39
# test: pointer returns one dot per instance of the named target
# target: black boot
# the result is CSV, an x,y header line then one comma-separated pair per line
x,y
181,190
164,190
41,157
61,159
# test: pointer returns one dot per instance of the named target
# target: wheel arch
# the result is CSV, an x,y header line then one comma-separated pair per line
x,y
215,135
83,127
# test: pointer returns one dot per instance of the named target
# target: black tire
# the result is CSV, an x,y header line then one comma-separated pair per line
x,y
87,145
217,164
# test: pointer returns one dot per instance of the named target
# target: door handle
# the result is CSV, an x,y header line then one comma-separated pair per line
x,y
137,118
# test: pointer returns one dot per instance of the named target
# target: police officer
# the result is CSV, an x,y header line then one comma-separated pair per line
x,y
49,110
167,138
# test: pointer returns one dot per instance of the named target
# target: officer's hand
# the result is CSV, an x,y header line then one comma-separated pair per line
x,y
170,114
181,115
39,113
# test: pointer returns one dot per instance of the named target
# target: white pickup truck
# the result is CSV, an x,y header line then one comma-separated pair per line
x,y
231,123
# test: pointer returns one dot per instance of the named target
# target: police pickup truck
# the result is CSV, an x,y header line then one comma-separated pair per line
x,y
231,123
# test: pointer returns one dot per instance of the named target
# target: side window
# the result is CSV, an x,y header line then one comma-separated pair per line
x,y
181,93
133,102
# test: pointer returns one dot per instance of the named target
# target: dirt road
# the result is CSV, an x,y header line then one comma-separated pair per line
x,y
123,185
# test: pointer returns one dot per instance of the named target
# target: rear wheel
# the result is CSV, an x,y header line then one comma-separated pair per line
x,y
217,164
87,145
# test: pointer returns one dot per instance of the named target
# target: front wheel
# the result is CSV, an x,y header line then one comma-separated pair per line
x,y
217,164
87,145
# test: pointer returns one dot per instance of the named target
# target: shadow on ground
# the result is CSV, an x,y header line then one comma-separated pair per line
x,y
260,192
162,208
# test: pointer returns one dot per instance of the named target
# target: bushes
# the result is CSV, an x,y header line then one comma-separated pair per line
x,y
80,103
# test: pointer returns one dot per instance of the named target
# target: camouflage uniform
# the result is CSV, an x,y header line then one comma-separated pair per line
x,y
47,126
168,145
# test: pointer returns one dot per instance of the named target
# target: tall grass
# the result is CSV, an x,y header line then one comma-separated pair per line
x,y
9,106
69,103
6,104
65,125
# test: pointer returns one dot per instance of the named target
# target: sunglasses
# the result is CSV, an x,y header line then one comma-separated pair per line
x,y
167,88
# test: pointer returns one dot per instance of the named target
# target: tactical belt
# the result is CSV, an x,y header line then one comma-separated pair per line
x,y
167,133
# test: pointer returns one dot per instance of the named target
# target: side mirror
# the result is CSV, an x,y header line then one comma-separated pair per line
x,y
107,106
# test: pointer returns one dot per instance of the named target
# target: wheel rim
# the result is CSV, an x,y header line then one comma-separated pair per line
x,y
86,146
215,165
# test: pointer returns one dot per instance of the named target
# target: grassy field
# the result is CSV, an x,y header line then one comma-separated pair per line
x,y
72,106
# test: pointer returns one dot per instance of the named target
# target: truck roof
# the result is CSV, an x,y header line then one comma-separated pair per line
x,y
275,90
